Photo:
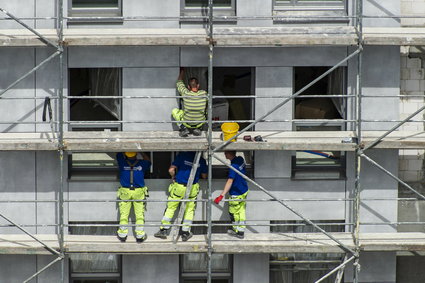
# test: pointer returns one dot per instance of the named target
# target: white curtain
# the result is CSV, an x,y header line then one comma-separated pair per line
x,y
336,82
88,263
105,82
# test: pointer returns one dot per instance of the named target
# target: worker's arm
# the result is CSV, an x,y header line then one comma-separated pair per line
x,y
181,88
181,74
226,189
172,171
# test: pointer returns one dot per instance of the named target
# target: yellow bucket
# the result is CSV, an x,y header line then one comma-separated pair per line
x,y
229,130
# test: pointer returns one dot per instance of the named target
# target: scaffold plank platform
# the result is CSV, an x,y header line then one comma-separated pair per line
x,y
223,36
221,243
170,141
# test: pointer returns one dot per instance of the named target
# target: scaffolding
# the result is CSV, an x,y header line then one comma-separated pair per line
x,y
357,141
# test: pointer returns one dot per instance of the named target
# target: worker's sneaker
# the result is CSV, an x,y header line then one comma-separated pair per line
x,y
141,238
184,132
186,236
162,233
122,238
196,132
237,234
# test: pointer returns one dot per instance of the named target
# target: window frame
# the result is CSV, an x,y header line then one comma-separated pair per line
x,y
91,172
75,126
95,12
314,169
280,5
315,265
197,11
202,275
94,275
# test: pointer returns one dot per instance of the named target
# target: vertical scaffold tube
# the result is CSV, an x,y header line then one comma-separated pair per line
x,y
356,208
60,141
210,150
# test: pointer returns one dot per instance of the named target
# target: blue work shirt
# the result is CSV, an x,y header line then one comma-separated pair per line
x,y
239,185
184,162
139,169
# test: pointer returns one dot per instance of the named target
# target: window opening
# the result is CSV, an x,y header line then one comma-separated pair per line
x,y
86,82
92,165
95,8
200,8
319,164
303,267
312,11
94,268
326,4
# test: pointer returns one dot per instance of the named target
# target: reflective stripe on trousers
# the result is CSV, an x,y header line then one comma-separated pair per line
x,y
237,211
125,207
177,192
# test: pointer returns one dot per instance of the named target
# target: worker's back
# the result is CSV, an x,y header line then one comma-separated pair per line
x,y
194,103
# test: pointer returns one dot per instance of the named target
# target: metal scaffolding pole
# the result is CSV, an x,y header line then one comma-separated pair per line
x,y
61,142
186,195
341,245
43,269
357,165
42,38
210,149
391,175
260,119
338,268
42,63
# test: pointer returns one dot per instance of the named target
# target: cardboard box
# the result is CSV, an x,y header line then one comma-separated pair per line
x,y
220,112
316,108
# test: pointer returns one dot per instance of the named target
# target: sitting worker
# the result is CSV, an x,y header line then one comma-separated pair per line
x,y
132,168
193,106
180,171
237,188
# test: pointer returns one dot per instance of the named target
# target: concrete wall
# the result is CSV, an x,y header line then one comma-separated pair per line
x,y
411,9
412,83
152,71
152,268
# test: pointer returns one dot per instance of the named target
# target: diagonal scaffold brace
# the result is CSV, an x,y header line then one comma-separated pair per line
x,y
182,209
344,247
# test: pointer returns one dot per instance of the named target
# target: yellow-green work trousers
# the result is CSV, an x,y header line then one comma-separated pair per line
x,y
177,192
178,115
237,211
125,207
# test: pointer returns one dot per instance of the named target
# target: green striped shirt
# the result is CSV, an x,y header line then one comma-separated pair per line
x,y
193,105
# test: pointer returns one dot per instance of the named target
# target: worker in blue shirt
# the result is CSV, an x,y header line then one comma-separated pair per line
x,y
180,172
237,188
132,178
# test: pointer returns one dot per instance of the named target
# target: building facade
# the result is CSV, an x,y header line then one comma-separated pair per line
x,y
141,79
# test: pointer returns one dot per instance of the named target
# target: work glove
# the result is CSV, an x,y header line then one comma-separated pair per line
x,y
218,199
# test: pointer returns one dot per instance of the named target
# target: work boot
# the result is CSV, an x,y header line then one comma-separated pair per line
x,y
183,132
237,234
186,235
141,238
196,132
162,233
122,238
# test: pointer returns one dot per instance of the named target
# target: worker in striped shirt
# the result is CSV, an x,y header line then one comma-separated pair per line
x,y
194,104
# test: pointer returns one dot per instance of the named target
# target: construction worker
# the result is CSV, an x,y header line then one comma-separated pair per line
x,y
193,106
237,188
132,168
180,171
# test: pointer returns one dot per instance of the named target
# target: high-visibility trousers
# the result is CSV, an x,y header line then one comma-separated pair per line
x,y
237,211
125,207
177,192
178,116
